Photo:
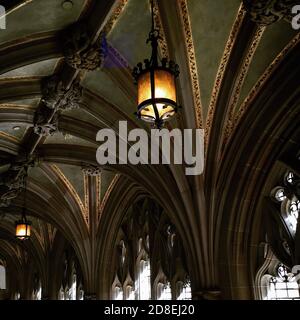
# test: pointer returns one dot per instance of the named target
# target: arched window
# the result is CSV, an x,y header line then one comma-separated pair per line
x,y
283,286
144,280
81,294
149,255
17,296
2,277
61,295
39,294
184,290
118,293
73,290
164,291
37,288
130,294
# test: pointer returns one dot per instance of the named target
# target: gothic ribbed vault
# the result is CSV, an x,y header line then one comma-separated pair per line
x,y
66,73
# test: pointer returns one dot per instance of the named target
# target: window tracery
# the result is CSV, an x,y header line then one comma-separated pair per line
x,y
149,259
278,282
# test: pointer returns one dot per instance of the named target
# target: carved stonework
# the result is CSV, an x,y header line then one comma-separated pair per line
x,y
12,182
266,12
91,171
221,72
56,97
189,43
115,16
80,53
42,126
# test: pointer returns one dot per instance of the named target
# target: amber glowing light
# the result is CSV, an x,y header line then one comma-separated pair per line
x,y
23,229
157,102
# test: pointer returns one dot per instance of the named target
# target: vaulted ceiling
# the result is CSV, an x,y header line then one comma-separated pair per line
x,y
227,61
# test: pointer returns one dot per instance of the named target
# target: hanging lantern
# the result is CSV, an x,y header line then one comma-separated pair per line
x,y
156,82
23,228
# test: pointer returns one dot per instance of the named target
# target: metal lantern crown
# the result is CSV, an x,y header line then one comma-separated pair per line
x,y
157,101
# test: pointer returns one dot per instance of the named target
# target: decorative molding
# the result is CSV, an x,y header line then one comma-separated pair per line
x,y
98,195
86,196
108,192
72,191
192,61
220,75
263,79
236,94
115,16
17,106
162,41
266,12
92,171
9,137
12,182
58,98
79,52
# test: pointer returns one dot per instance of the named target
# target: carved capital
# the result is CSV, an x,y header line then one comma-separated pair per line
x,y
79,52
92,171
266,12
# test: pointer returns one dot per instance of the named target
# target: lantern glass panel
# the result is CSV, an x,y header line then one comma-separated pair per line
x,y
22,230
164,86
164,89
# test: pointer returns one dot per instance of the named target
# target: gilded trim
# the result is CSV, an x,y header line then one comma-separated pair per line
x,y
9,137
115,16
263,79
191,60
72,190
86,196
163,45
98,196
237,90
220,75
108,192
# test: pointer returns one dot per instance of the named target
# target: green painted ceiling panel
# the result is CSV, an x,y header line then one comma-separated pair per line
x,y
211,22
101,84
274,39
39,16
75,176
106,179
131,32
43,69
59,138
